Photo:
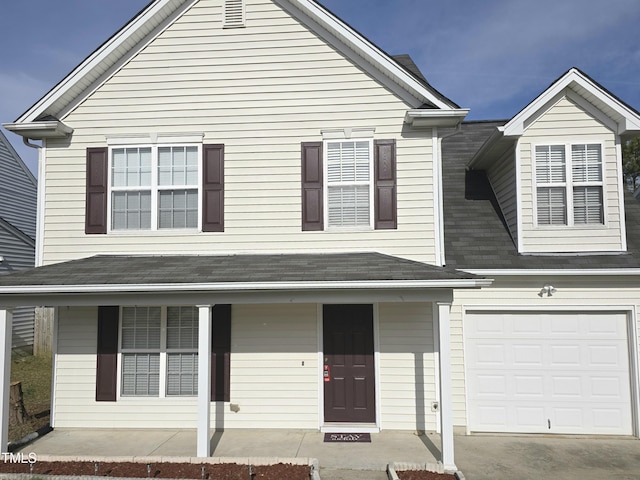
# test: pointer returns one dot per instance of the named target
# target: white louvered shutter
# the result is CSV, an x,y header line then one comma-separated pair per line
x,y
552,206
550,167
348,179
550,164
586,163
587,205
182,366
586,167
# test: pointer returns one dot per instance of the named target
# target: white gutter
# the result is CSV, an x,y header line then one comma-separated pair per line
x,y
40,130
429,118
240,286
560,272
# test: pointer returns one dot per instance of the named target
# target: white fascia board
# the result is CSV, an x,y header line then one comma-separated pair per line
x,y
241,286
559,272
429,118
92,61
628,120
368,51
40,130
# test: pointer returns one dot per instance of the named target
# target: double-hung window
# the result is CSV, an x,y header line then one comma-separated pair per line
x,y
569,186
155,187
349,183
159,348
141,346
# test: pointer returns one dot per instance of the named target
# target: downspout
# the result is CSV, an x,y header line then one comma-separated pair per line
x,y
439,191
39,202
38,263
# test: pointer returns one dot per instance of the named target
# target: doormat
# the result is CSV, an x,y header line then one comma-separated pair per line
x,y
347,437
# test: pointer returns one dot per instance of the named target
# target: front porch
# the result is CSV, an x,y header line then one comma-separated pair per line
x,y
114,343
243,444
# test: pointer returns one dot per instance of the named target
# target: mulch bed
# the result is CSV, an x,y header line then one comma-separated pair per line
x,y
424,475
222,471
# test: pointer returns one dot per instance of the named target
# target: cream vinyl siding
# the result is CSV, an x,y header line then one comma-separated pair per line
x,y
269,382
502,176
567,123
75,388
261,91
407,368
577,294
274,366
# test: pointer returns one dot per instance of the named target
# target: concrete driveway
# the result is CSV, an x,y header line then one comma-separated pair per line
x,y
483,457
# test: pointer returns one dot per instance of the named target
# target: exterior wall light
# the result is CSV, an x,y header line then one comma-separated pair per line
x,y
547,290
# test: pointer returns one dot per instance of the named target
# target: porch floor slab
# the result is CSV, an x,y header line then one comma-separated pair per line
x,y
385,446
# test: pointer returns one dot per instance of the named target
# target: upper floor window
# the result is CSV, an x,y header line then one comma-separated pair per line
x,y
569,186
175,183
349,185
155,187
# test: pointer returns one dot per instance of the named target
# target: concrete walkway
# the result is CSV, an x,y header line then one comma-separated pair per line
x,y
338,461
479,457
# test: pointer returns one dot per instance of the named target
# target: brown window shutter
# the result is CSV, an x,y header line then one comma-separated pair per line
x,y
213,188
385,185
107,364
221,354
97,190
312,195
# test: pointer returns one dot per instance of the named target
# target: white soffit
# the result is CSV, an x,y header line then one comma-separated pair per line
x,y
627,120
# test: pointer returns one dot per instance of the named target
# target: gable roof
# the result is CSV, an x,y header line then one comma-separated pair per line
x,y
159,14
625,118
476,234
617,115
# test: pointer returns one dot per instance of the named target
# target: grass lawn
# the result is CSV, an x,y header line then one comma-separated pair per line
x,y
35,374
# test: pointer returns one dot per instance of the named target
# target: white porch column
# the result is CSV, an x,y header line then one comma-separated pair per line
x,y
446,395
6,321
204,381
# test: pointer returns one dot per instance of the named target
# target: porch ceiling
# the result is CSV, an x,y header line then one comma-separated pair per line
x,y
228,275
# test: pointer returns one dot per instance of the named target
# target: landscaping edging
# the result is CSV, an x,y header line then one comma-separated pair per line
x,y
312,463
393,467
29,438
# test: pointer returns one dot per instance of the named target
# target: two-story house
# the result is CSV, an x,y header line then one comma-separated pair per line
x,y
252,217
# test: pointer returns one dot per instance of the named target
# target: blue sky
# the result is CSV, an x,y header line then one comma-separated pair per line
x,y
492,56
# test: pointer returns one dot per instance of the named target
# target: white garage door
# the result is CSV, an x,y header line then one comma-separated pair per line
x,y
565,373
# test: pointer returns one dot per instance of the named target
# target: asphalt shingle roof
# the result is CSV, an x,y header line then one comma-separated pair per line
x,y
476,236
181,269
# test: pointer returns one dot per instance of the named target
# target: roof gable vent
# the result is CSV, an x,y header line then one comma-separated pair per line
x,y
234,13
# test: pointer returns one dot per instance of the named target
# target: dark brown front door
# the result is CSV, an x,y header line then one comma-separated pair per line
x,y
349,378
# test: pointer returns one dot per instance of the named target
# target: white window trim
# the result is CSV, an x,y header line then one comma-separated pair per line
x,y
162,384
154,188
325,180
568,185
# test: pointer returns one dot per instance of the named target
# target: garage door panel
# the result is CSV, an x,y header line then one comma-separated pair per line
x,y
557,372
528,386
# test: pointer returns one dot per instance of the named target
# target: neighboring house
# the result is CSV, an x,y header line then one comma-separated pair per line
x,y
260,164
18,193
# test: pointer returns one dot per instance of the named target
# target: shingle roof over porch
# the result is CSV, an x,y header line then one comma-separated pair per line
x,y
228,269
